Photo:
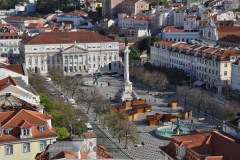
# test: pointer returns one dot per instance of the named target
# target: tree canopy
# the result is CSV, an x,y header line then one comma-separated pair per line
x,y
134,53
146,43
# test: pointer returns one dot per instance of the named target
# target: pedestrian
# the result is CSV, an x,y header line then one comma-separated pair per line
x,y
143,144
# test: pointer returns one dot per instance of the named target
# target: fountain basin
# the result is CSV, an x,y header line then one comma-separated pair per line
x,y
167,131
92,84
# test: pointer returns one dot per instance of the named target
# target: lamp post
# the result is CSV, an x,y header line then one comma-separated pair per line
x,y
126,140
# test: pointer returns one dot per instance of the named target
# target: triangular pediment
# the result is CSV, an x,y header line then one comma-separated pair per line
x,y
74,48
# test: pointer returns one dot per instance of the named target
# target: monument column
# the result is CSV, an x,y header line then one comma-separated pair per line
x,y
126,64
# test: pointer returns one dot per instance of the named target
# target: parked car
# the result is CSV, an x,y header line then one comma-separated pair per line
x,y
71,101
89,127
48,79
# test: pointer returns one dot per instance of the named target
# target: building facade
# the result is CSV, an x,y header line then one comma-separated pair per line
x,y
235,74
73,52
78,19
135,21
9,39
211,65
133,7
170,33
24,133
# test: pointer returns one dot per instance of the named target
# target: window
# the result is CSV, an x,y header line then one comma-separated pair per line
x,y
42,128
36,61
43,145
225,73
225,65
8,132
25,132
9,149
26,147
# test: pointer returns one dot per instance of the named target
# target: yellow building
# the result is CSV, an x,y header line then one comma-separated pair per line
x,y
24,133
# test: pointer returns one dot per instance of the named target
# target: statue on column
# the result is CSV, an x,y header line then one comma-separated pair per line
x,y
126,41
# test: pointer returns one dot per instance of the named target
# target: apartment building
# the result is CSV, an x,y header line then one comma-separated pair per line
x,y
170,33
134,21
24,133
211,65
9,39
133,6
73,52
77,19
190,23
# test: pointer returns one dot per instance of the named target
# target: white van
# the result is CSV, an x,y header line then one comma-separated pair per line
x,y
72,101
89,127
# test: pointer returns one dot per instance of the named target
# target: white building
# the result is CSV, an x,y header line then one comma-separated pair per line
x,y
9,39
26,7
6,13
170,33
211,65
178,18
235,74
78,19
162,17
75,52
135,21
190,23
226,16
212,32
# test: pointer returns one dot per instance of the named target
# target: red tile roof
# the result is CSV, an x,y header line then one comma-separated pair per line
x,y
139,17
64,155
20,18
18,68
5,82
228,30
172,29
81,36
167,43
207,145
89,135
102,152
24,118
77,12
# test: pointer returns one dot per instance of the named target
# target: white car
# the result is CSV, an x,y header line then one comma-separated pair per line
x,y
72,101
48,79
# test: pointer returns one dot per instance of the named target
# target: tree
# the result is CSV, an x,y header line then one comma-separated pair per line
x,y
88,97
183,92
57,77
62,132
128,132
146,43
134,53
71,85
47,6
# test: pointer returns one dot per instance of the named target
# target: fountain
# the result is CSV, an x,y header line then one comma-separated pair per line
x,y
96,82
177,128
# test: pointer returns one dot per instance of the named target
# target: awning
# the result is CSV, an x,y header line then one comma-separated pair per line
x,y
198,83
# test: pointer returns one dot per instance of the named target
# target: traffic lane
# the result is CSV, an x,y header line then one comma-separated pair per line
x,y
103,140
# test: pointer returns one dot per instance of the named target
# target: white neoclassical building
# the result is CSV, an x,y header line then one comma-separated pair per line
x,y
73,52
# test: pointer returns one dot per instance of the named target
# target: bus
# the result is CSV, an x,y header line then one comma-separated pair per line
x,y
89,127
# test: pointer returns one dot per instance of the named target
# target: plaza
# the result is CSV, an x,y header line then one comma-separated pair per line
x,y
152,143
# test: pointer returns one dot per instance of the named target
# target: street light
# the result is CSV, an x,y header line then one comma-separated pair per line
x,y
126,135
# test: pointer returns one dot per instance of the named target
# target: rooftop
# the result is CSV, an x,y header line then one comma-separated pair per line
x,y
206,145
18,119
57,37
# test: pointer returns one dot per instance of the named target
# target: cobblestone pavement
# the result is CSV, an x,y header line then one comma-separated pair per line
x,y
147,133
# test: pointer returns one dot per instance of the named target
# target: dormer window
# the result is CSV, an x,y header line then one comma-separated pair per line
x,y
25,132
8,132
42,128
